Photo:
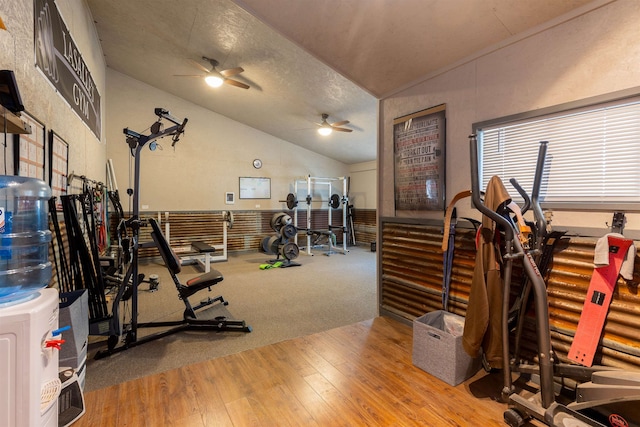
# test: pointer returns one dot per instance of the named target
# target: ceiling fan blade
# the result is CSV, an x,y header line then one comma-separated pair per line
x,y
236,83
232,71
341,129
199,65
344,122
188,75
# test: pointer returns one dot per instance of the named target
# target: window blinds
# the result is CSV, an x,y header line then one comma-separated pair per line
x,y
593,154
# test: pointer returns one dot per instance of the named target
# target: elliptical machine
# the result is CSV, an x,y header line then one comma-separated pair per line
x,y
603,396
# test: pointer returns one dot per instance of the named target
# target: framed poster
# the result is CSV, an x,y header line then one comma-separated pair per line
x,y
59,161
255,188
419,160
29,149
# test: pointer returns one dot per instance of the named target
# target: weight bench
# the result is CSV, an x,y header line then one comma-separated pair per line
x,y
203,248
319,234
206,280
202,254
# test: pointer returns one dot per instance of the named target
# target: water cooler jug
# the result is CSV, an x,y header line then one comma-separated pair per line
x,y
29,381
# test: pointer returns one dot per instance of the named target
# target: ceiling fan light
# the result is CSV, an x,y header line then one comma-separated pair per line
x,y
214,81
325,130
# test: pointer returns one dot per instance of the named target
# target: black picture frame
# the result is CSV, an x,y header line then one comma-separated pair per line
x,y
59,165
419,142
30,149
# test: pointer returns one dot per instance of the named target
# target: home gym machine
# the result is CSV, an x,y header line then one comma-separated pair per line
x,y
334,202
132,278
588,396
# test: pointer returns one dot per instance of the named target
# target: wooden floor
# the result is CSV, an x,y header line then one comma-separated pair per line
x,y
357,375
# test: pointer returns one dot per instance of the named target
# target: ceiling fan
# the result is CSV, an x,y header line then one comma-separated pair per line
x,y
215,78
326,128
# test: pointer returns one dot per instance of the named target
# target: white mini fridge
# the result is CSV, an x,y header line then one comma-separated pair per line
x,y
29,381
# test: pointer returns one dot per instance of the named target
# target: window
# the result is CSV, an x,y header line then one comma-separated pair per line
x,y
593,154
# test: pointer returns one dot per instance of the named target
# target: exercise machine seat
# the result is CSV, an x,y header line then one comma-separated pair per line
x,y
207,279
204,281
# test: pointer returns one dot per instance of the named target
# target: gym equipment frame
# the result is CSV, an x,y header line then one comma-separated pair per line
x,y
599,390
310,181
136,143
204,256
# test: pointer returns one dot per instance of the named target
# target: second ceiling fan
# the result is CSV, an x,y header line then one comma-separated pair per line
x,y
216,78
326,128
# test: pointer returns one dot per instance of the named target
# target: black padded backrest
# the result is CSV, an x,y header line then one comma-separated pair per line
x,y
170,258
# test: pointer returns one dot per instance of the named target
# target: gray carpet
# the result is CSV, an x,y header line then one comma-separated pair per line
x,y
325,292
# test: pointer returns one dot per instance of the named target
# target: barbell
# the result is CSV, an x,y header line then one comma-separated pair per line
x,y
292,201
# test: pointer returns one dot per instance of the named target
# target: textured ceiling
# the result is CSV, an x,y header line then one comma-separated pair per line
x,y
303,58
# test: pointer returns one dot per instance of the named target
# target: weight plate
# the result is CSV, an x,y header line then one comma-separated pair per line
x,y
291,201
289,231
275,222
334,202
231,219
228,217
274,244
290,251
265,245
285,220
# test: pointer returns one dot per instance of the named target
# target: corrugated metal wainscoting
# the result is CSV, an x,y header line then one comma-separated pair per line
x,y
249,227
364,224
411,285
411,269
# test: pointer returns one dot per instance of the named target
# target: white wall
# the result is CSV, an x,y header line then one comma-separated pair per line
x,y
589,55
86,152
363,191
208,160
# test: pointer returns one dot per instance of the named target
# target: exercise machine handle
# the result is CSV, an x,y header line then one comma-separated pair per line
x,y
541,223
475,192
523,194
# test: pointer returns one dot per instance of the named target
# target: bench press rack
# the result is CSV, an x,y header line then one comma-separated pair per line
x,y
199,251
310,181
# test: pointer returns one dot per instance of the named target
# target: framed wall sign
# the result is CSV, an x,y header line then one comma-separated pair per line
x,y
419,151
59,161
255,188
61,62
29,149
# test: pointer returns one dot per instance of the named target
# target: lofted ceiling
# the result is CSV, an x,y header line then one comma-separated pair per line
x,y
303,58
